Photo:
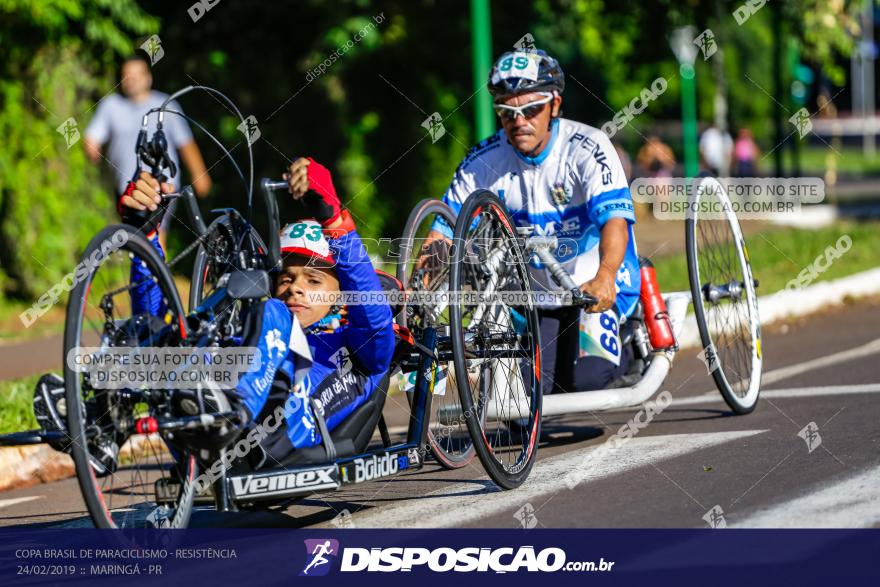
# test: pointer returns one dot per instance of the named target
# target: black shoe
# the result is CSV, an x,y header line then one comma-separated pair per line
x,y
50,408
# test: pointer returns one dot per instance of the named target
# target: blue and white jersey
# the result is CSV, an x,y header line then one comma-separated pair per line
x,y
570,190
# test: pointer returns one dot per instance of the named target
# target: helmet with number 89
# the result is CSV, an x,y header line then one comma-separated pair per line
x,y
521,72
305,239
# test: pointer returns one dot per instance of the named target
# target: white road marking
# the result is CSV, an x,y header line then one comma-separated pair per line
x,y
858,352
794,392
16,500
465,502
852,503
864,350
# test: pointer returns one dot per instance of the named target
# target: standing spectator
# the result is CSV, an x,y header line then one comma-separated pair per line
x,y
745,154
716,148
655,158
118,121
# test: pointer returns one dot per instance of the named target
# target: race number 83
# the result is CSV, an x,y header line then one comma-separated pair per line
x,y
299,230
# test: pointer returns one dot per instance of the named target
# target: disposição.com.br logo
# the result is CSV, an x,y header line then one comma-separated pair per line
x,y
322,553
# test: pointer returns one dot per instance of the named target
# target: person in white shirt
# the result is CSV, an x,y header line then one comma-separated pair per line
x,y
716,148
117,120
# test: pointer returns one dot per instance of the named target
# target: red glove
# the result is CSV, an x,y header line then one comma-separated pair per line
x,y
322,200
148,222
129,188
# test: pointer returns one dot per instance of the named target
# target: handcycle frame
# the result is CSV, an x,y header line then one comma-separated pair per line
x,y
422,356
677,304
278,484
247,484
621,397
593,400
231,489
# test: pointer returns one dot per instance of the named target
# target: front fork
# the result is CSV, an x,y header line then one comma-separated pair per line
x,y
423,393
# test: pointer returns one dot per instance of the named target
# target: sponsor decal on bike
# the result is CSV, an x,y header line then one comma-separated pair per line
x,y
284,482
364,469
374,467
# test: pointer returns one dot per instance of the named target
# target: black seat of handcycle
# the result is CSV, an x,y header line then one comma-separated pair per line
x,y
351,437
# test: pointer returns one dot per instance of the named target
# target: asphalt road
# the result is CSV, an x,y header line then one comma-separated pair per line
x,y
693,465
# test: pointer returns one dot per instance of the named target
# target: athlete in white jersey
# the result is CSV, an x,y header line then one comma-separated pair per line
x,y
563,178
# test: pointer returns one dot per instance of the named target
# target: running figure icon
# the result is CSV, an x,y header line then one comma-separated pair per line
x,y
319,551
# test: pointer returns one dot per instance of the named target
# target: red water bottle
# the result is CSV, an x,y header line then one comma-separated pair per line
x,y
656,317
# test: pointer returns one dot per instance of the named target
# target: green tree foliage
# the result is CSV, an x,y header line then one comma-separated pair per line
x,y
58,60
611,50
349,82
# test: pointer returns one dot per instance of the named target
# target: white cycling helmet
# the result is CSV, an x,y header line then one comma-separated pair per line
x,y
305,238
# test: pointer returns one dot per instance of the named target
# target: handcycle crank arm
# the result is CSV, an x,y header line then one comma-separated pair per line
x,y
152,424
32,437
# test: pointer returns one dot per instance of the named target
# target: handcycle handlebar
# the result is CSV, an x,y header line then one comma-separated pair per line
x,y
189,197
581,299
187,194
275,186
268,186
542,246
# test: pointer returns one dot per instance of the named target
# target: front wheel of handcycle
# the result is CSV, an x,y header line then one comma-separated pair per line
x,y
495,340
423,269
724,295
129,477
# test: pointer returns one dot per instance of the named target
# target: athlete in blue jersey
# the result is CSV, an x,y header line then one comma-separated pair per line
x,y
561,178
351,348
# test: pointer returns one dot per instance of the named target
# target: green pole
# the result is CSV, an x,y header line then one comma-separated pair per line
x,y
689,119
481,41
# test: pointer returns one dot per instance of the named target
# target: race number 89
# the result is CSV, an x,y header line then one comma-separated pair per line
x,y
519,62
609,341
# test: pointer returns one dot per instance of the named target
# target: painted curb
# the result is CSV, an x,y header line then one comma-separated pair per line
x,y
22,466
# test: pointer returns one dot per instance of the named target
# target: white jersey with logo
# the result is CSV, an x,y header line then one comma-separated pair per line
x,y
570,190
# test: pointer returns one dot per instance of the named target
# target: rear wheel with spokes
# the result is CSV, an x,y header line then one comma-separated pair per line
x,y
126,299
495,340
724,296
423,268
